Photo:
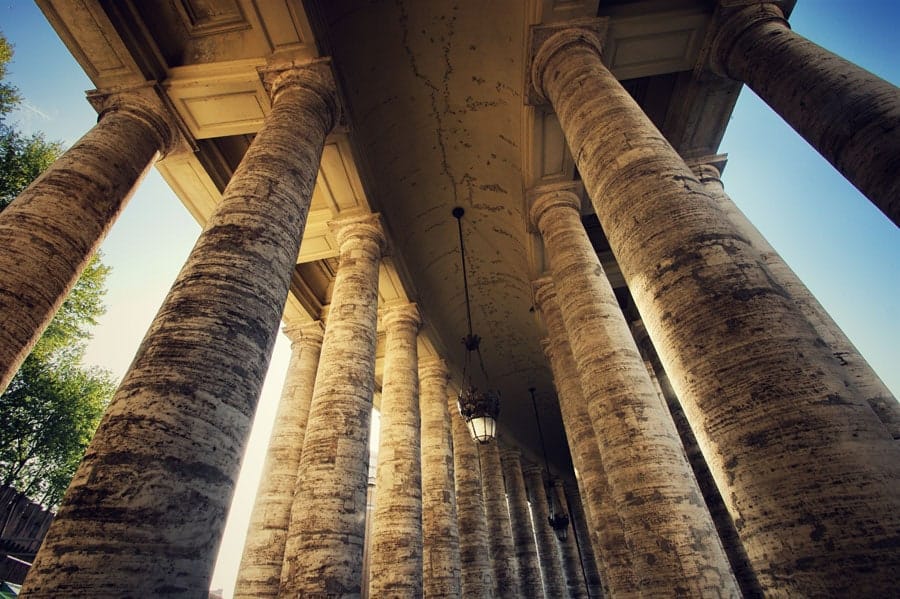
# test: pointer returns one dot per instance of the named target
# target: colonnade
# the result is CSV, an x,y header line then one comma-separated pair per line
x,y
796,431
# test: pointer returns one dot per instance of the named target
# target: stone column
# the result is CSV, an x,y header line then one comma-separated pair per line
x,y
586,550
548,549
520,520
395,562
51,231
803,463
323,551
439,528
604,521
850,116
145,512
503,554
571,560
844,353
260,571
667,528
474,550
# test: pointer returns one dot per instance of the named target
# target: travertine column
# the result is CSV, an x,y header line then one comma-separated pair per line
x,y
323,552
844,353
580,525
51,231
548,549
671,535
803,463
145,512
439,528
520,521
260,571
849,115
605,523
474,550
571,561
395,562
503,554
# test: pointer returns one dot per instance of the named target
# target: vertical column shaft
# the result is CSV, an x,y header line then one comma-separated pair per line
x,y
395,562
51,231
441,566
323,551
260,570
571,560
801,460
503,556
548,549
474,549
145,512
520,520
581,528
850,116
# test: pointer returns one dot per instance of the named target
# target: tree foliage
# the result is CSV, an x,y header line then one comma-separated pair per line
x,y
53,404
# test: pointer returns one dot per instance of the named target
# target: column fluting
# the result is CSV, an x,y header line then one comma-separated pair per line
x,y
548,549
145,512
503,555
520,521
323,551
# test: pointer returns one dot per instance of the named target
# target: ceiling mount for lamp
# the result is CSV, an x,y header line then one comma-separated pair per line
x,y
479,408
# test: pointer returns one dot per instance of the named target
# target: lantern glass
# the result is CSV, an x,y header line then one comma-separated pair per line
x,y
482,428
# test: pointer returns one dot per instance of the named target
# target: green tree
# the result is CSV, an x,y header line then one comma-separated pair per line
x,y
53,405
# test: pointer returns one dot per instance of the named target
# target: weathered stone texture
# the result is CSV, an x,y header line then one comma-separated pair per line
x,y
323,551
440,532
145,512
673,542
585,547
474,550
571,561
259,574
529,566
803,464
608,532
503,555
51,231
849,115
548,549
395,561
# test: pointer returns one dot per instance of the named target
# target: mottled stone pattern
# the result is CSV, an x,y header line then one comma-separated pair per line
x,y
474,551
441,570
585,548
323,551
608,532
145,512
807,470
844,353
395,561
548,549
529,566
849,115
673,542
51,231
571,560
259,574
503,553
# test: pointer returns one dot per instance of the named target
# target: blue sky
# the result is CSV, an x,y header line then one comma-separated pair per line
x,y
846,252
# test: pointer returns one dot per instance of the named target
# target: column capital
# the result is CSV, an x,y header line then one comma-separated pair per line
x,y
546,40
306,334
547,347
733,20
147,103
546,197
366,228
433,368
511,453
401,316
314,76
529,469
544,291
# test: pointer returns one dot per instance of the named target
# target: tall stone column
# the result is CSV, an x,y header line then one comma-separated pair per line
x,y
503,554
671,536
51,231
585,548
520,521
395,562
804,465
260,570
548,549
474,550
145,512
571,560
441,569
323,551
844,353
582,432
849,115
